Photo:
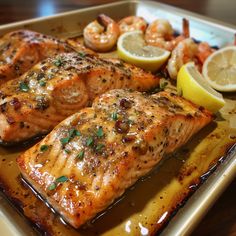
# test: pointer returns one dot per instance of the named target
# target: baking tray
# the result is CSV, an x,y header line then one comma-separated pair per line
x,y
202,169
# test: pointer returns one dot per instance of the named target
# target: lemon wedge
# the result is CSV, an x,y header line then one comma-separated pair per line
x,y
131,48
192,86
219,69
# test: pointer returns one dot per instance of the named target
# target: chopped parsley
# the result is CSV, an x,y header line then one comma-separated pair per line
x,y
81,155
24,87
67,151
114,116
99,147
44,148
100,132
82,54
42,83
72,133
58,62
89,141
64,141
52,186
60,179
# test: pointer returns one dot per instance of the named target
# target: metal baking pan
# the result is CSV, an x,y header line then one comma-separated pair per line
x,y
192,178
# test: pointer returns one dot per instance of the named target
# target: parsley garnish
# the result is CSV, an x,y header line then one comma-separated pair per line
x,y
61,179
82,54
64,141
114,116
72,133
89,141
44,148
99,147
42,83
58,62
52,186
24,87
100,132
67,151
81,155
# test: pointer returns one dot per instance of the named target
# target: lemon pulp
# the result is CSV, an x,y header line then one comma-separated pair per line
x,y
192,86
131,48
219,69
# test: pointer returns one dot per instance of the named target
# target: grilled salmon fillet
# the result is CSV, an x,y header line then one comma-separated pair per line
x,y
20,50
90,158
59,86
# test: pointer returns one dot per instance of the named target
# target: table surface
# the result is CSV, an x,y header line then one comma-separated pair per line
x,y
221,219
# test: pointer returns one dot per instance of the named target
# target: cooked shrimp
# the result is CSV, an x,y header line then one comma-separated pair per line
x,y
101,35
132,23
204,50
184,52
160,33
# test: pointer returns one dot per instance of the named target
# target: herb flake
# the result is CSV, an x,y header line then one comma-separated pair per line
x,y
58,62
80,156
64,141
114,116
61,179
99,147
24,87
100,132
89,141
44,148
52,186
42,83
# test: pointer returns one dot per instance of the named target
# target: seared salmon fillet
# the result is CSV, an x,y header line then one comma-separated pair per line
x,y
59,86
20,50
93,156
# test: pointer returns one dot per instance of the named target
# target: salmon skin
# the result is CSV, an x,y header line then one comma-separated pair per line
x,y
21,49
93,156
59,86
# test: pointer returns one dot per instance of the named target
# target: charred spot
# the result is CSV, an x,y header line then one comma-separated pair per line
x,y
40,76
42,103
15,103
125,103
22,125
2,77
16,67
140,146
201,108
122,126
128,138
189,116
124,154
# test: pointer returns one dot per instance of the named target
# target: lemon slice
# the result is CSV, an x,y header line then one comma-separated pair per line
x,y
131,48
220,69
192,86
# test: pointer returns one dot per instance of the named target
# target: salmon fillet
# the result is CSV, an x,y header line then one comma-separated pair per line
x,y
20,50
93,156
59,86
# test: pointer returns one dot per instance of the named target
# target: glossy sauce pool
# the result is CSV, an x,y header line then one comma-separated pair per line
x,y
144,208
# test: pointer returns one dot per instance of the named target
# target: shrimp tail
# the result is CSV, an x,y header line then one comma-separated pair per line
x,y
103,20
185,25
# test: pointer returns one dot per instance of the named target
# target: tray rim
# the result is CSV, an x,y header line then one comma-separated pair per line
x,y
224,174
198,16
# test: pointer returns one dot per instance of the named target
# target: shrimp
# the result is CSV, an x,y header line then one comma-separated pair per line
x,y
204,50
101,35
184,52
132,23
161,34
